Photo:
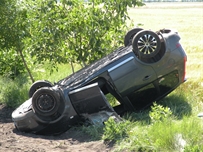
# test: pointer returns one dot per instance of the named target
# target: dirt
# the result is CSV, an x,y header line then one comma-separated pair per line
x,y
11,140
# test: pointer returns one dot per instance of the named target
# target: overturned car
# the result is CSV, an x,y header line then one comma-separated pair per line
x,y
148,67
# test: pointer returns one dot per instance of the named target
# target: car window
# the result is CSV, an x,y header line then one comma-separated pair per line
x,y
151,92
168,82
143,96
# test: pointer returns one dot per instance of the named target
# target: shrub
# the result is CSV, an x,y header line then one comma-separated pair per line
x,y
159,113
13,93
113,130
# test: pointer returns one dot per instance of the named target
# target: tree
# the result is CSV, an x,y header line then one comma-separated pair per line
x,y
62,31
13,32
74,31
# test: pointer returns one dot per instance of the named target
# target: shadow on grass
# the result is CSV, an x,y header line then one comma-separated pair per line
x,y
177,104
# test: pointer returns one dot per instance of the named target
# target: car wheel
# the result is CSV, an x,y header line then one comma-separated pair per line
x,y
129,36
146,44
38,84
45,102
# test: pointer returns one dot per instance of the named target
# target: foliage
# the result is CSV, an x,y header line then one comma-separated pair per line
x,y
60,31
14,30
12,93
112,100
10,64
74,31
194,148
95,132
159,113
114,131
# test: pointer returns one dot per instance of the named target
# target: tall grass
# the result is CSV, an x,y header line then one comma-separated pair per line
x,y
13,93
167,135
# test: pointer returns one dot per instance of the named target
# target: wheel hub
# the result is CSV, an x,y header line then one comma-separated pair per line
x,y
147,44
45,103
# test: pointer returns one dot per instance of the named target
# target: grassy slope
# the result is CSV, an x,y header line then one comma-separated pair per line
x,y
186,101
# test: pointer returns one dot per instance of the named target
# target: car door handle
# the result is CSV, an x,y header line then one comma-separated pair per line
x,y
146,77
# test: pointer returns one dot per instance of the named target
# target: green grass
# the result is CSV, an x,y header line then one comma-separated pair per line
x,y
162,136
13,93
187,100
138,132
187,18
42,72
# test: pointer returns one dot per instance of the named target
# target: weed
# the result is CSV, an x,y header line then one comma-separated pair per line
x,y
95,132
159,113
114,131
195,148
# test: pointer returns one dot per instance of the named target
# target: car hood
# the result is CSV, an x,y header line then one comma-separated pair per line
x,y
22,110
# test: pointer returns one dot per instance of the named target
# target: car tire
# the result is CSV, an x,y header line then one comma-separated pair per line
x,y
129,36
146,44
37,85
45,102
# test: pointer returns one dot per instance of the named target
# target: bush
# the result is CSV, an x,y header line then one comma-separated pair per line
x,y
113,130
13,93
159,113
11,65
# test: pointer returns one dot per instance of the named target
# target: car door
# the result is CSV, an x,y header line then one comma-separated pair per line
x,y
130,74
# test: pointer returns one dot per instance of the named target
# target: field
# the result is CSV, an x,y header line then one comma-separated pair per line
x,y
186,18
179,129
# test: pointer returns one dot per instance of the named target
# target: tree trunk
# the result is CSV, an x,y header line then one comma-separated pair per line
x,y
73,71
25,64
